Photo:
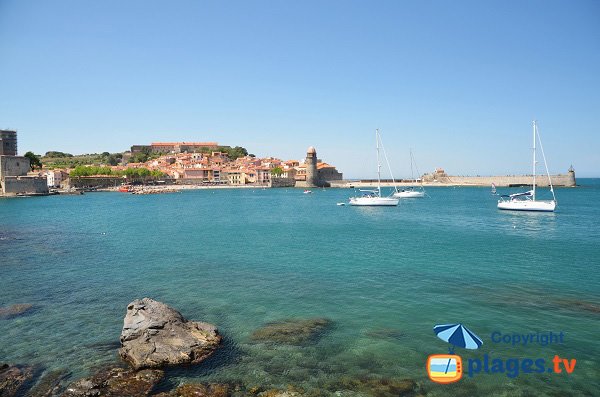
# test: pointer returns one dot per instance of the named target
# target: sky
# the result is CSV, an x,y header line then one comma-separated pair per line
x,y
456,82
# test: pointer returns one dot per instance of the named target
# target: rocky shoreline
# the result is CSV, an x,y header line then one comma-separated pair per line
x,y
155,337
157,345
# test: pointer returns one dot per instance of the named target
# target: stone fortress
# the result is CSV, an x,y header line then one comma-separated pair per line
x,y
14,178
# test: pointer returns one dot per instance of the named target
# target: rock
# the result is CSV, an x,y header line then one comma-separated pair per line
x,y
579,305
280,393
199,390
378,387
293,331
386,333
50,384
18,309
115,382
155,335
12,379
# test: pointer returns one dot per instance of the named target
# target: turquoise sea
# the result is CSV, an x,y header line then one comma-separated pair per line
x,y
241,258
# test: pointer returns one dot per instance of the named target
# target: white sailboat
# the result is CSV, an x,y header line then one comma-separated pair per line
x,y
526,201
373,197
411,191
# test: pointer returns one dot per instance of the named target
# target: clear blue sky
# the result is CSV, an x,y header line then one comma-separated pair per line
x,y
457,81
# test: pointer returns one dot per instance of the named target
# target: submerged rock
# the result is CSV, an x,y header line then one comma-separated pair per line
x,y
12,379
386,333
292,331
15,310
579,305
378,387
155,335
198,390
50,384
280,393
116,382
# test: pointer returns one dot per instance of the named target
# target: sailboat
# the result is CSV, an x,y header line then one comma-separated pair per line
x,y
526,201
493,188
411,191
373,197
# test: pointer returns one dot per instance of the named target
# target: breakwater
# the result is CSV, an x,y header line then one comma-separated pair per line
x,y
567,180
442,179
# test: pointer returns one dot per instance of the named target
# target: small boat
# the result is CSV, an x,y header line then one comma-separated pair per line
x,y
411,191
493,188
373,198
341,204
308,192
125,188
526,201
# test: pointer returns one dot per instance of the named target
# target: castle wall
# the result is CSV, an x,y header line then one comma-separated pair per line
x,y
13,185
283,182
329,174
13,166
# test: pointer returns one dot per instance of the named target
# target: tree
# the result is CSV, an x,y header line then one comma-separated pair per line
x,y
139,158
112,159
276,171
156,174
55,154
34,161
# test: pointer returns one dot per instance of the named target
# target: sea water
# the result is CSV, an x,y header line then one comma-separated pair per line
x,y
241,258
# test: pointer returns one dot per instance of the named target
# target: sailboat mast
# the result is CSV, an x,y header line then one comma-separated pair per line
x,y
412,173
534,139
378,162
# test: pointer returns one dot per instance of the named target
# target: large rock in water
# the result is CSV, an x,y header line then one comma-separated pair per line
x,y
155,335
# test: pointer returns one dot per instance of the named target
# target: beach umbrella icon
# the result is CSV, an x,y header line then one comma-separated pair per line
x,y
457,335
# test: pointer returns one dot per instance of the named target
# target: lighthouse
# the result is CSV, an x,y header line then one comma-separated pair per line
x,y
312,177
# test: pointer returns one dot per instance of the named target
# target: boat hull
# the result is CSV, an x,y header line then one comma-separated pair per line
x,y
409,194
374,201
527,205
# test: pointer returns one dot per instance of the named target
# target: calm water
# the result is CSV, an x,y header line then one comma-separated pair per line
x,y
243,258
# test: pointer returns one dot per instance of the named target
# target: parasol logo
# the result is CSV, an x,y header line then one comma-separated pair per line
x,y
448,368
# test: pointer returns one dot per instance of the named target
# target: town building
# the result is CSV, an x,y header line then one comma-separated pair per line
x,y
55,177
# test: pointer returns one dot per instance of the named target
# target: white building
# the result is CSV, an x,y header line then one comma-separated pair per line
x,y
54,178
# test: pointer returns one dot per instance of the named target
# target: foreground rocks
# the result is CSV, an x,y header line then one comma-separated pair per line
x,y
156,335
198,390
18,309
116,382
12,378
50,384
293,331
377,387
